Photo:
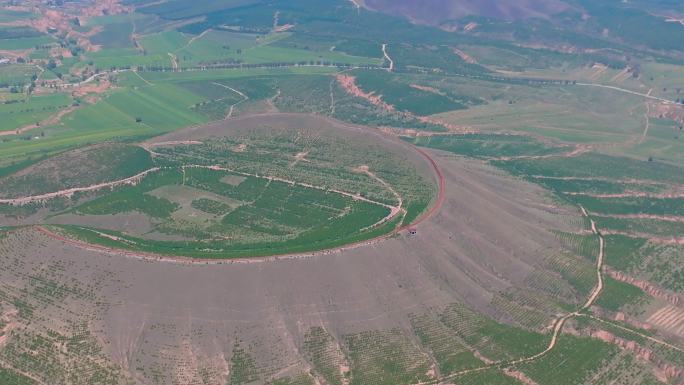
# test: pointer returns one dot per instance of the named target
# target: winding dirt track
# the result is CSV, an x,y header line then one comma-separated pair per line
x,y
71,191
647,96
560,322
394,210
388,58
557,325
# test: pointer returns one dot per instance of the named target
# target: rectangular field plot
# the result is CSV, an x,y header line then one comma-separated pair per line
x,y
124,57
31,111
596,165
493,340
161,107
254,88
115,35
7,15
16,74
278,209
25,43
573,361
415,98
196,205
216,46
450,351
164,42
632,205
385,358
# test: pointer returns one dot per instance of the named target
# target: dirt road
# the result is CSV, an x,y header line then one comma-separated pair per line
x,y
558,323
387,57
394,210
599,265
232,106
648,123
71,191
647,96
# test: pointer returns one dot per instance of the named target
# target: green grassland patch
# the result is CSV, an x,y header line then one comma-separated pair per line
x,y
616,295
77,168
573,361
486,145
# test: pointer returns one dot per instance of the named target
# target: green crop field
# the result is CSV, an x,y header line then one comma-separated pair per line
x,y
572,362
7,15
25,43
618,294
82,167
164,42
30,111
140,108
409,97
486,146
386,357
11,377
16,74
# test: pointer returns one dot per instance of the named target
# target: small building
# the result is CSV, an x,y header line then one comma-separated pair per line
x,y
412,231
4,60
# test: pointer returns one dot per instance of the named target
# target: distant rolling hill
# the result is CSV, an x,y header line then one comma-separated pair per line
x,y
438,11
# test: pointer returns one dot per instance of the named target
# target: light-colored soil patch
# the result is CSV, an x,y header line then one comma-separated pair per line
x,y
668,111
9,320
233,180
650,237
470,26
622,75
599,69
184,196
669,318
128,223
520,376
300,157
92,88
427,89
466,58
349,84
